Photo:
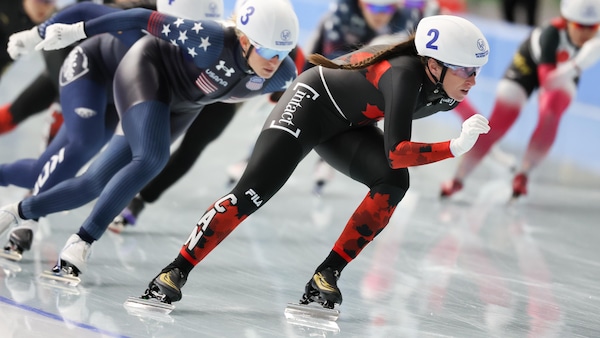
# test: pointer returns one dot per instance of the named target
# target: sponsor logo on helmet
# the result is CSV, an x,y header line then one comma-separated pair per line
x,y
481,45
286,38
255,83
286,122
213,10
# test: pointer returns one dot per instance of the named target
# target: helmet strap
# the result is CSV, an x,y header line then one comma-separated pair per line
x,y
247,56
439,87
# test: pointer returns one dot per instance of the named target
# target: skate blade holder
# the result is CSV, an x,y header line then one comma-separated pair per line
x,y
11,255
148,308
312,316
60,278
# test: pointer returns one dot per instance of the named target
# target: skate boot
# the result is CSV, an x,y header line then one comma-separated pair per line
x,y
19,240
71,262
128,216
161,292
322,288
166,287
9,217
519,185
451,187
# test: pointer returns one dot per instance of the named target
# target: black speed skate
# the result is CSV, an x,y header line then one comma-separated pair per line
x,y
321,289
161,292
19,240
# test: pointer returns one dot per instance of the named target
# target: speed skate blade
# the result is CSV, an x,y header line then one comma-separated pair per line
x,y
60,278
312,316
140,306
59,287
11,255
9,267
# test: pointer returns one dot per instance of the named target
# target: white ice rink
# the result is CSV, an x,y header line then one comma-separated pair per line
x,y
473,266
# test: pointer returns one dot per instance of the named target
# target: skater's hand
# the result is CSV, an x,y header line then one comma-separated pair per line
x,y
23,42
561,76
588,55
471,129
61,35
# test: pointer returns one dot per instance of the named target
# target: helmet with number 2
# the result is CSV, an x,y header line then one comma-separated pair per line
x,y
586,12
192,9
453,40
270,24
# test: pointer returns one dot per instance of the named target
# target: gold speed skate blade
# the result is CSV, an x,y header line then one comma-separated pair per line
x,y
145,307
12,255
312,316
60,278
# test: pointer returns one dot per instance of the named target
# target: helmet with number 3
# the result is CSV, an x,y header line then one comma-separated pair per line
x,y
453,40
192,9
271,24
586,12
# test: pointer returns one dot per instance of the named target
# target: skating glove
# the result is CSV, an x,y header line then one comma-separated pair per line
x,y
23,42
471,128
61,35
587,56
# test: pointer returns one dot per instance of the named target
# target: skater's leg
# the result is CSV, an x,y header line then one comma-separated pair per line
x,y
34,99
348,153
77,191
209,124
510,98
146,128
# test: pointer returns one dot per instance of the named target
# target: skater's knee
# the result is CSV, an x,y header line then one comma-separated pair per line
x,y
395,191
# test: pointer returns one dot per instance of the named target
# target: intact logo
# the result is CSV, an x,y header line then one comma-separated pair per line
x,y
75,66
448,100
85,113
286,122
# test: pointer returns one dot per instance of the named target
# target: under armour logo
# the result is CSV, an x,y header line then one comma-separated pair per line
x,y
228,71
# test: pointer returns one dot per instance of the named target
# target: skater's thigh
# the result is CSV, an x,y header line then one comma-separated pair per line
x,y
360,154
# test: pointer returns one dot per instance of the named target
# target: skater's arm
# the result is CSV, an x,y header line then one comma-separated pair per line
x,y
84,11
399,109
192,36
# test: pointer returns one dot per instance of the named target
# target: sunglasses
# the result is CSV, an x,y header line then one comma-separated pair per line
x,y
377,9
268,53
463,72
582,26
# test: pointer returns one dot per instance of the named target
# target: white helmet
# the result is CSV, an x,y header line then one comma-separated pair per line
x,y
453,40
271,24
192,9
586,12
